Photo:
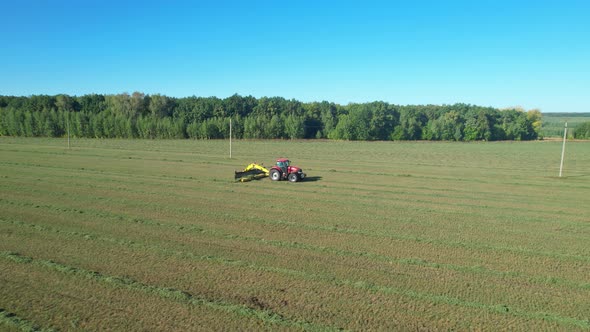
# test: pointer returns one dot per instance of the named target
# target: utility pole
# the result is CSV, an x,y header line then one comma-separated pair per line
x,y
230,138
563,150
68,125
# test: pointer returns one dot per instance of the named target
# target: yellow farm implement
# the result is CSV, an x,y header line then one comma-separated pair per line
x,y
251,172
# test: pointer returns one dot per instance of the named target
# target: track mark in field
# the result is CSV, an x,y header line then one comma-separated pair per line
x,y
358,284
263,314
328,229
401,197
477,270
12,320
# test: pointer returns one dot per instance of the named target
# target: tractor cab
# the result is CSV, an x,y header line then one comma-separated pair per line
x,y
283,164
284,170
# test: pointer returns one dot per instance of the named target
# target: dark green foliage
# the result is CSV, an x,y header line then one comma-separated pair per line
x,y
582,131
158,116
411,125
294,126
92,103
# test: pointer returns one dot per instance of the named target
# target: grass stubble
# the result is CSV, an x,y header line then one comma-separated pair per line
x,y
386,236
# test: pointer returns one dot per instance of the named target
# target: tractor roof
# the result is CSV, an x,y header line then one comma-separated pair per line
x,y
282,159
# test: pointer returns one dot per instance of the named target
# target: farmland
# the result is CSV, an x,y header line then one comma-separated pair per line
x,y
553,123
156,235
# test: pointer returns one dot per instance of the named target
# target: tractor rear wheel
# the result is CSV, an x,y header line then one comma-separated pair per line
x,y
275,175
293,177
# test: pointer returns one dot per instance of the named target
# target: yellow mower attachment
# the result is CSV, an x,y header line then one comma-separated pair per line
x,y
251,172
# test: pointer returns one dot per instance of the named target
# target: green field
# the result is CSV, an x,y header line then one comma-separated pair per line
x,y
155,235
554,123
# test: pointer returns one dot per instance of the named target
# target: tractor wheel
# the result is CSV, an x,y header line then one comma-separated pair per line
x,y
293,177
275,175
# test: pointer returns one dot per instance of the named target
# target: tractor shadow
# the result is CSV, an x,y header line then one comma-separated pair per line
x,y
312,179
570,176
577,176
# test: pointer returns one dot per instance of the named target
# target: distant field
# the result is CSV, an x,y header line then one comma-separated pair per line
x,y
554,123
156,235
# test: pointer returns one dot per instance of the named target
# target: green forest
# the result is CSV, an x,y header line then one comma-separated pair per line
x,y
138,115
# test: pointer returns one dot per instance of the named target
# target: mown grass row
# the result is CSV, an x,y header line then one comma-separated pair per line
x,y
429,181
396,193
437,200
530,158
328,229
200,229
221,234
69,302
168,293
393,193
223,170
479,270
358,284
340,229
11,320
572,228
305,305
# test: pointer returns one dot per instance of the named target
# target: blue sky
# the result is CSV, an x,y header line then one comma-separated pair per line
x,y
535,54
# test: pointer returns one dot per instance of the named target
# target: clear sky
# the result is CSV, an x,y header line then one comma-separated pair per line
x,y
534,54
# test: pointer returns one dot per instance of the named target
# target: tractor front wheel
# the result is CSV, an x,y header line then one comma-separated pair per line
x,y
275,175
293,177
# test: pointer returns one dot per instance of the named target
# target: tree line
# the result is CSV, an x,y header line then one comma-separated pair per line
x,y
139,115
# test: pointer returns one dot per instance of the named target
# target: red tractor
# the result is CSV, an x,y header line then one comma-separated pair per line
x,y
284,171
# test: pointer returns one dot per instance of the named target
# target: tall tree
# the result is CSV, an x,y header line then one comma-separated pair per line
x,y
294,126
138,104
535,117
